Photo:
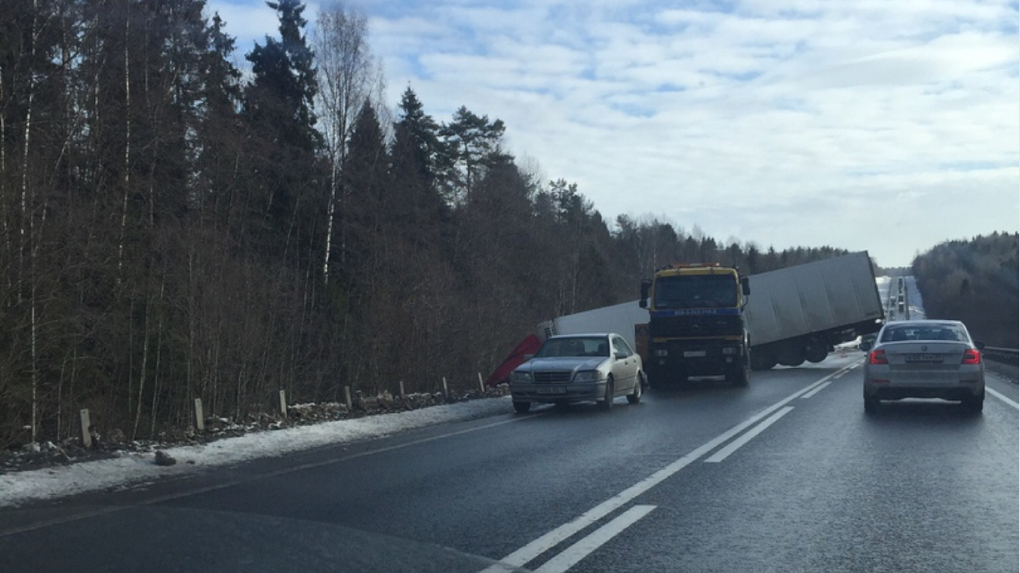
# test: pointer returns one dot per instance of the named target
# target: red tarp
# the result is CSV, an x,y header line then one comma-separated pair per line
x,y
502,374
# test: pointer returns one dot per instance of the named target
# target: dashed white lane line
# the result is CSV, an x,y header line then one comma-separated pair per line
x,y
578,551
818,389
532,550
736,444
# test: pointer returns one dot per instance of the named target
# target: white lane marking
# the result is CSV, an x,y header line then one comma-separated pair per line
x,y
1002,397
578,551
736,444
817,390
546,542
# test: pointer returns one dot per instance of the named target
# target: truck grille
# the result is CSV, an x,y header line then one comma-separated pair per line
x,y
546,377
696,326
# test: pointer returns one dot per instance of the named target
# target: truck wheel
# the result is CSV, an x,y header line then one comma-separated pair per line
x,y
606,403
762,360
660,381
739,377
816,351
792,359
522,407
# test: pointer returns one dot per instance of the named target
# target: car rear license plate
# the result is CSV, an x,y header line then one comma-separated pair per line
x,y
694,353
914,358
553,390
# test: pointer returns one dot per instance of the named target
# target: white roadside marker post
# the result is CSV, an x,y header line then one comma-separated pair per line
x,y
86,436
199,418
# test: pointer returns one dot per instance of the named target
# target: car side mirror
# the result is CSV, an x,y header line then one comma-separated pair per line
x,y
865,345
979,345
528,357
620,356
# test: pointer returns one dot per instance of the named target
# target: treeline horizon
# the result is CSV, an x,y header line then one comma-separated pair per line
x,y
171,229
976,281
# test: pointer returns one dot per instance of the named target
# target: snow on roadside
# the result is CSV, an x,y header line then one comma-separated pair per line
x,y
19,487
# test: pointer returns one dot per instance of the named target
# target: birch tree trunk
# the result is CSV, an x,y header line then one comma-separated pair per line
x,y
26,238
347,77
127,147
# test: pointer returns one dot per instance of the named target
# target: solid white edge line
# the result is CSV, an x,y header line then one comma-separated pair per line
x,y
585,547
1002,397
736,444
554,537
816,390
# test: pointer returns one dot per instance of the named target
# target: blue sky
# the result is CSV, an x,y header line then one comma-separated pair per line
x,y
887,126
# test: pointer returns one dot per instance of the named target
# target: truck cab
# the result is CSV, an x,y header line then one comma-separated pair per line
x,y
696,324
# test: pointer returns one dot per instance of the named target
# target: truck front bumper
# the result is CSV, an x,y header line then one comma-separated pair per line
x,y
688,358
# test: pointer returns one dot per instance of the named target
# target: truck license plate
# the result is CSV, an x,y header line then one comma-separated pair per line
x,y
553,390
694,353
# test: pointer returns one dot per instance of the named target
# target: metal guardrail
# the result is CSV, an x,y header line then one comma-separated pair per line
x,y
1006,355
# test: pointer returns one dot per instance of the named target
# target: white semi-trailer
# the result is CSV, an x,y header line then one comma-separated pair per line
x,y
799,313
619,318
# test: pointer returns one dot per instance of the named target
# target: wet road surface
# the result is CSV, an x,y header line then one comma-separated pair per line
x,y
788,474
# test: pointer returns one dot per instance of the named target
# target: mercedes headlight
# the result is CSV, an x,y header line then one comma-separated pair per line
x,y
520,377
587,376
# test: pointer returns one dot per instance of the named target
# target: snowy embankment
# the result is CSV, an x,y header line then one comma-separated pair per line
x,y
129,468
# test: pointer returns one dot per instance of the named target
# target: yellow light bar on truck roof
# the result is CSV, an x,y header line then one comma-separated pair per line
x,y
689,265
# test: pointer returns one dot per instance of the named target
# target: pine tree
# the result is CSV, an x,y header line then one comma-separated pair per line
x,y
471,144
414,155
279,107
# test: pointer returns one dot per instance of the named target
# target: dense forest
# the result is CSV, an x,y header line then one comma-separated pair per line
x,y
172,228
975,281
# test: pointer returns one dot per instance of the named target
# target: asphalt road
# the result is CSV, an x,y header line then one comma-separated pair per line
x,y
787,475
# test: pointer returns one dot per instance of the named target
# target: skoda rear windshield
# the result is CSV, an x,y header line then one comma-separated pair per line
x,y
695,291
950,332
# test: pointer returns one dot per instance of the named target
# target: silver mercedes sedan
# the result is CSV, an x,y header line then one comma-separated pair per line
x,y
579,368
924,359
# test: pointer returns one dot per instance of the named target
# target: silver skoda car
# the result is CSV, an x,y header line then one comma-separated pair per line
x,y
924,359
579,368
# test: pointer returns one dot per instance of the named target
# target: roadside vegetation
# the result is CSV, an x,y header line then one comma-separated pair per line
x,y
173,229
975,281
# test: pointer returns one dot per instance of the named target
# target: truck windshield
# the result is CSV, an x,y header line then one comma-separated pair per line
x,y
695,291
